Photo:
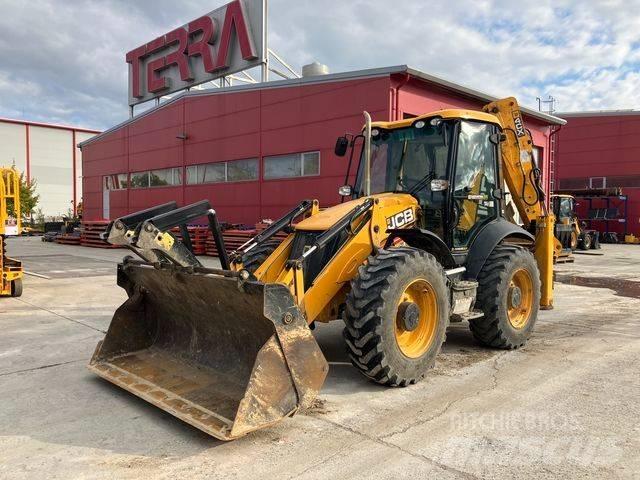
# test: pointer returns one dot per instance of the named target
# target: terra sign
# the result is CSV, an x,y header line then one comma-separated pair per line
x,y
225,41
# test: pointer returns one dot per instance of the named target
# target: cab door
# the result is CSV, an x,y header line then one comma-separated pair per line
x,y
474,182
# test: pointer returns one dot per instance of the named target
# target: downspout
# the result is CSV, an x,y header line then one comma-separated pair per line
x,y
402,83
28,156
74,170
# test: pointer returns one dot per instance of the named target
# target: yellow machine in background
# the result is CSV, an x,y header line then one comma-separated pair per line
x,y
10,225
422,241
570,232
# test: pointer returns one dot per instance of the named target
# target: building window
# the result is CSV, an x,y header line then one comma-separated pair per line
x,y
289,166
221,172
165,177
157,178
598,182
123,181
139,180
118,181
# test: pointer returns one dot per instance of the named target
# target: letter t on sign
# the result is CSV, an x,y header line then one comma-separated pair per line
x,y
134,57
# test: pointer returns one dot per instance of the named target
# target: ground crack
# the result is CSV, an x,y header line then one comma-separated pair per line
x,y
61,316
418,456
42,367
494,384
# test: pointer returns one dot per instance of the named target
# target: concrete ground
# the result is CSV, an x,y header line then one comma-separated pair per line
x,y
565,406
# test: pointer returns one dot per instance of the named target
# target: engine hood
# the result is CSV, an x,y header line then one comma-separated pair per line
x,y
326,218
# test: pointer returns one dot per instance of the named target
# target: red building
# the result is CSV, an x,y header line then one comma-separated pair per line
x,y
602,150
256,150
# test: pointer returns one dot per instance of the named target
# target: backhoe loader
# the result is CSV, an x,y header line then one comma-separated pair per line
x,y
419,242
10,225
570,232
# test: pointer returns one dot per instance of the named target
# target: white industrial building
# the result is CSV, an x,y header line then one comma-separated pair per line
x,y
47,153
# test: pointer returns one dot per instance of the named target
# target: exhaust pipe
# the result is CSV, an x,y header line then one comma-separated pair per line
x,y
367,154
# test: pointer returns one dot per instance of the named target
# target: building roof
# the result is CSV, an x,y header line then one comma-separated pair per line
x,y
446,114
599,113
47,125
337,77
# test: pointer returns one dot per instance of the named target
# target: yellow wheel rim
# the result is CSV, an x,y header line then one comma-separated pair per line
x,y
574,241
416,318
520,298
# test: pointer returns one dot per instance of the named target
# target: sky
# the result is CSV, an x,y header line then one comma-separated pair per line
x,y
63,61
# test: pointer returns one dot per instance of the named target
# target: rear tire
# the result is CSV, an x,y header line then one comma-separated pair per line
x,y
16,288
256,257
396,316
509,296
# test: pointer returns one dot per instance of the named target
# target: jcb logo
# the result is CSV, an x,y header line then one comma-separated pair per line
x,y
517,121
401,219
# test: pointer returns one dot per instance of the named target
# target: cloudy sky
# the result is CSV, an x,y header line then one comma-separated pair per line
x,y
63,60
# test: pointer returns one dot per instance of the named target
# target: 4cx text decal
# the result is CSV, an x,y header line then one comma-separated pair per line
x,y
517,121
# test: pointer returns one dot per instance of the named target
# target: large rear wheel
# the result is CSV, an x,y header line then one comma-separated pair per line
x,y
396,316
509,296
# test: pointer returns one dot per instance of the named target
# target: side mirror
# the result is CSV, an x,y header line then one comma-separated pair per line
x,y
345,191
439,185
497,138
342,144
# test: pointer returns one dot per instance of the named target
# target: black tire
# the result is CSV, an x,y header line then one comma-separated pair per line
x,y
495,329
255,257
595,243
16,288
371,313
585,243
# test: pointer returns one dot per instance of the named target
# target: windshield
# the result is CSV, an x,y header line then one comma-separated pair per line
x,y
407,158
566,207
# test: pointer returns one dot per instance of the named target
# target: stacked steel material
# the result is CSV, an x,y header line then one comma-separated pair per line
x,y
90,234
198,235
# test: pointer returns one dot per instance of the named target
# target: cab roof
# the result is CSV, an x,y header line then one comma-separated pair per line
x,y
445,114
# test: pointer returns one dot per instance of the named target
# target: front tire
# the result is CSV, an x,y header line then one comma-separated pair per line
x,y
16,288
585,243
396,316
256,257
509,296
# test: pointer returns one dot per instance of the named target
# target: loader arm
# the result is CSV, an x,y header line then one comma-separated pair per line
x,y
522,176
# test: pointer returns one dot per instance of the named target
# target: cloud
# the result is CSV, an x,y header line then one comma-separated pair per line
x,y
64,61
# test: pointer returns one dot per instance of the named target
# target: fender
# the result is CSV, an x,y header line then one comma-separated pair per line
x,y
488,239
424,240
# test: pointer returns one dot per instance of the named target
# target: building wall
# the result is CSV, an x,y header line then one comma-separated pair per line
x,y
45,154
252,124
235,126
602,146
13,145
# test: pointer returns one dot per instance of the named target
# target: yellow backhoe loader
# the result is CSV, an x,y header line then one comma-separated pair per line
x,y
10,225
420,242
570,232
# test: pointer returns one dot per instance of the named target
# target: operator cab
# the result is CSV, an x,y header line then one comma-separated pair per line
x,y
563,207
449,163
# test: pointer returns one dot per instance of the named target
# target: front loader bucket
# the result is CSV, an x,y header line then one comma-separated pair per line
x,y
225,358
